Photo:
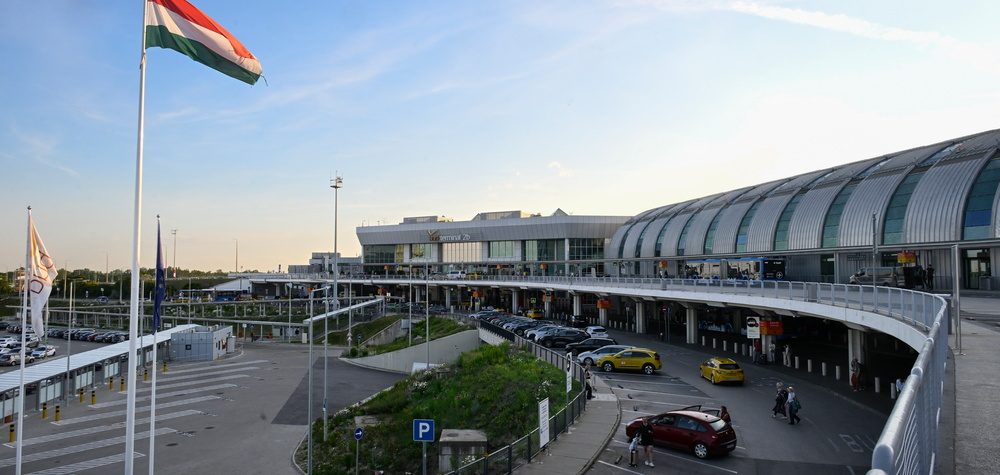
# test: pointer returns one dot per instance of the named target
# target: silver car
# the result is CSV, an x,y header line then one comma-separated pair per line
x,y
587,358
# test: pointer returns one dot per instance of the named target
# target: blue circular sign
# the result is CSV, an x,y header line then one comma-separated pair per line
x,y
359,433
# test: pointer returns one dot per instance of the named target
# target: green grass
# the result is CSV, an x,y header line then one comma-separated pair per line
x,y
495,389
440,328
366,329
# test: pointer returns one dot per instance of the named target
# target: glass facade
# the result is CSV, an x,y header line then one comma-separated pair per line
x,y
710,234
741,233
586,249
781,232
462,252
545,250
892,229
642,236
831,225
979,206
505,250
421,252
383,253
682,239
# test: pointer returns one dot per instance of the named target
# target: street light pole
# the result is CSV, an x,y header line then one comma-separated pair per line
x,y
237,255
309,411
427,314
336,184
174,233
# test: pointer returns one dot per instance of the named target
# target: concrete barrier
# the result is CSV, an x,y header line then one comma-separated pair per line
x,y
809,366
443,350
837,372
796,362
823,365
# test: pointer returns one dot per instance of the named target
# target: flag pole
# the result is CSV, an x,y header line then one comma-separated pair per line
x,y
155,325
24,329
136,238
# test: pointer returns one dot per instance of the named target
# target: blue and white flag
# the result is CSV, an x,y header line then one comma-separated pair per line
x,y
160,289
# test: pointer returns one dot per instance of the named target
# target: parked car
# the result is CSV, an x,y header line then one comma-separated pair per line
x,y
882,276
533,333
9,341
535,313
9,359
589,344
597,331
642,359
49,350
578,321
718,370
455,274
38,353
700,433
588,358
561,337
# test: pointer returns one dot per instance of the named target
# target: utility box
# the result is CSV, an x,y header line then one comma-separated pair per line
x,y
459,447
202,344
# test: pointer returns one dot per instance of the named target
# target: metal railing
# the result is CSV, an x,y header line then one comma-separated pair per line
x,y
509,457
908,443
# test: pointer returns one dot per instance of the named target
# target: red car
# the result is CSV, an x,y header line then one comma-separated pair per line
x,y
700,433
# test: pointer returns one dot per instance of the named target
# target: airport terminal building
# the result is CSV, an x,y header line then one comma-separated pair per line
x,y
902,210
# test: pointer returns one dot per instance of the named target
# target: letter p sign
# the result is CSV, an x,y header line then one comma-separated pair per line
x,y
423,430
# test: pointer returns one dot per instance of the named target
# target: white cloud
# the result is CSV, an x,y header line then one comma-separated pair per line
x,y
560,169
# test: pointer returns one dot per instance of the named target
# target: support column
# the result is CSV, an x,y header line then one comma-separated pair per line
x,y
855,346
736,320
577,305
602,317
692,326
548,308
447,298
640,317
514,295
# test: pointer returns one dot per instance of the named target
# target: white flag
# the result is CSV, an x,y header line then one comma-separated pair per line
x,y
41,271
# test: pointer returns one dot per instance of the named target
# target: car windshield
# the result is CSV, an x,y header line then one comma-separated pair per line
x,y
718,425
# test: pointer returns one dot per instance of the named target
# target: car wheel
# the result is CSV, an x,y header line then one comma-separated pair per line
x,y
713,379
647,368
608,367
588,361
700,450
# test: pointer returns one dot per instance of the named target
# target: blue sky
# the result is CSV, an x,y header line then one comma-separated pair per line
x,y
452,108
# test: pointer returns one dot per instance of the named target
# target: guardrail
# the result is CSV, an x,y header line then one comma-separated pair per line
x,y
908,443
509,457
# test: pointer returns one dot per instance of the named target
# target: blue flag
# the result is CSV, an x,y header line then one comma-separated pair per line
x,y
160,291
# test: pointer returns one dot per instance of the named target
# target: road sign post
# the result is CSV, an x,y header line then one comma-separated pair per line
x,y
423,432
358,434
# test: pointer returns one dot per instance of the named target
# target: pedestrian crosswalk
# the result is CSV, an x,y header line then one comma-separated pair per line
x,y
91,438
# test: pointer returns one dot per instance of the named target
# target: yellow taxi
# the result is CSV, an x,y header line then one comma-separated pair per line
x,y
718,370
641,359
535,313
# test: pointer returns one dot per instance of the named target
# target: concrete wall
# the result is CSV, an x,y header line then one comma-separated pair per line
x,y
443,350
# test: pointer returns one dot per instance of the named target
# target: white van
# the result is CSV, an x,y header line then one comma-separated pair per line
x,y
456,274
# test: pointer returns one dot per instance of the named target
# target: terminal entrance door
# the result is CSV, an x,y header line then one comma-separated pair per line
x,y
977,264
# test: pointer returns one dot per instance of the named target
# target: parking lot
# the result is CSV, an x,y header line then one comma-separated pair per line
x,y
60,344
836,436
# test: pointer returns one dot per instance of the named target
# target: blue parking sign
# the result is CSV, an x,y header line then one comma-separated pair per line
x,y
423,430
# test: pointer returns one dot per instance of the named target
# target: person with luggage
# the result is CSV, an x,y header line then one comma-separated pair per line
x,y
793,407
645,435
780,399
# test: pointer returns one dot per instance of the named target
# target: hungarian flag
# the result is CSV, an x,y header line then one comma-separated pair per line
x,y
178,25
41,272
160,291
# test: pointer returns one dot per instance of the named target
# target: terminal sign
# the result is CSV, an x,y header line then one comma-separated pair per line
x,y
423,430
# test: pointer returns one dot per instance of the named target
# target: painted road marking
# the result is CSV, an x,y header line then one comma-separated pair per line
x,y
159,405
212,367
170,379
93,430
851,443
634,381
97,444
667,454
835,446
189,383
619,468
162,395
87,465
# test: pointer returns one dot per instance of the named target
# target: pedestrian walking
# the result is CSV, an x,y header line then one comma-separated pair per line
x,y
855,377
780,398
787,356
724,415
929,277
645,434
793,407
770,351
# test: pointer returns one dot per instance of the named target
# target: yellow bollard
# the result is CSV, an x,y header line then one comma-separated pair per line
x,y
111,386
121,386
93,396
81,394
145,375
58,414
13,435
45,410
164,366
